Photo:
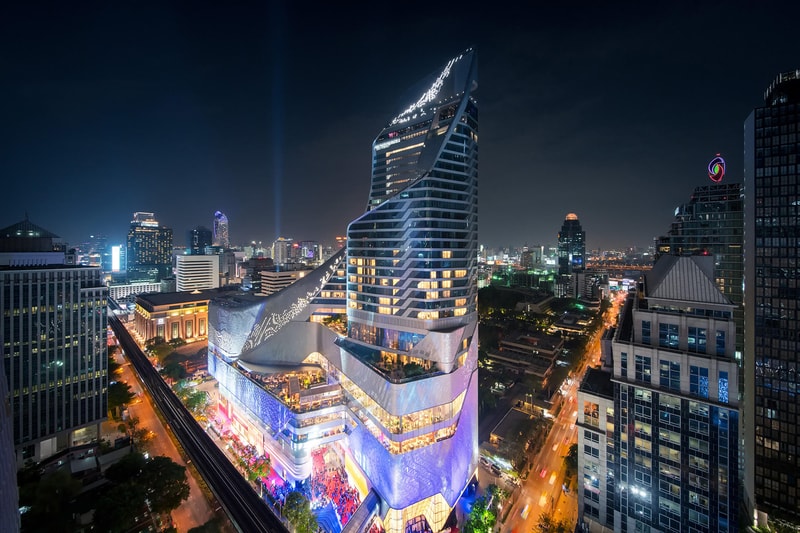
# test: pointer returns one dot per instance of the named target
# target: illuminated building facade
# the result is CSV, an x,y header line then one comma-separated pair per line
x,y
221,237
149,252
571,246
172,315
400,389
53,333
658,436
772,293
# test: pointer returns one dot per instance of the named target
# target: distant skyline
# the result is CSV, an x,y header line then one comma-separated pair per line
x,y
266,111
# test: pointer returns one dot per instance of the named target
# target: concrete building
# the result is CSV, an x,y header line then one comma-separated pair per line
x,y
196,272
172,315
658,450
53,332
274,280
149,253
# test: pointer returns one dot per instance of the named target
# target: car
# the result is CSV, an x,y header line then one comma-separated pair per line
x,y
543,473
496,471
552,478
525,511
485,462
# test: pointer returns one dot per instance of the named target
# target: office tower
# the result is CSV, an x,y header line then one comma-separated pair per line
x,y
658,436
196,272
309,252
772,293
571,246
712,223
53,332
399,391
282,251
221,237
149,252
199,239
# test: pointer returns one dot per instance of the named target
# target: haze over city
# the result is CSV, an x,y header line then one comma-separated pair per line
x,y
267,111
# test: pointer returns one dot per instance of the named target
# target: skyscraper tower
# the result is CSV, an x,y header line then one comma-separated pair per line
x,y
712,223
53,328
412,297
571,246
400,385
221,230
149,248
772,293
199,238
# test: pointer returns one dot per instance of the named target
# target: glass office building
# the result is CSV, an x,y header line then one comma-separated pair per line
x,y
772,293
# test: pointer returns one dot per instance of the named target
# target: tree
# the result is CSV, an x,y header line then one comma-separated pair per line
x,y
119,394
177,342
212,526
50,500
174,370
481,519
571,460
118,506
297,510
166,484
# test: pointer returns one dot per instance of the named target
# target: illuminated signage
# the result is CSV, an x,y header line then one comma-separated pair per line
x,y
716,169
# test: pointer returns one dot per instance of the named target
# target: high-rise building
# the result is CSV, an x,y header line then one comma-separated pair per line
x,y
571,246
200,238
772,293
221,237
149,253
282,251
53,329
658,436
398,391
712,223
196,272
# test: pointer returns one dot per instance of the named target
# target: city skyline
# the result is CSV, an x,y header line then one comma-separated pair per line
x,y
230,109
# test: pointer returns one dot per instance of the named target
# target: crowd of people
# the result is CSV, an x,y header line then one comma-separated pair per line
x,y
329,484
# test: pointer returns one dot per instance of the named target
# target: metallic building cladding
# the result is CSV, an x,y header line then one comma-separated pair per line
x,y
411,295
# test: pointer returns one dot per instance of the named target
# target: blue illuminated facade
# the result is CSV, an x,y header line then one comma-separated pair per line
x,y
658,436
400,378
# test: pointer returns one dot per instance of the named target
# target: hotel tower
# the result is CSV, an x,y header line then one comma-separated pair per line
x,y
394,388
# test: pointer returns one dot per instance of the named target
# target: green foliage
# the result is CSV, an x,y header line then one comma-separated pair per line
x,y
132,481
119,395
571,460
155,341
174,370
114,368
50,500
297,510
177,342
481,519
413,369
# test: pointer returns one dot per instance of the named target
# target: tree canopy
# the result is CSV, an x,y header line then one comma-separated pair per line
x,y
119,394
297,510
481,519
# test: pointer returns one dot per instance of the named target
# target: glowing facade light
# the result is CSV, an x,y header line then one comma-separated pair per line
x,y
716,169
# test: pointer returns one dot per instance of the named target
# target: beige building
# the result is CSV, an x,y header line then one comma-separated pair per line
x,y
172,315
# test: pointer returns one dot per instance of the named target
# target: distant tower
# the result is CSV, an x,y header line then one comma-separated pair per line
x,y
282,250
199,238
221,230
571,246
149,248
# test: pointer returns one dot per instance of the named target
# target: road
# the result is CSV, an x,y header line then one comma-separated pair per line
x,y
245,508
542,491
195,511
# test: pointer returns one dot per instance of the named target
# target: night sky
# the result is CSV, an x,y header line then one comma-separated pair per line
x,y
267,111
